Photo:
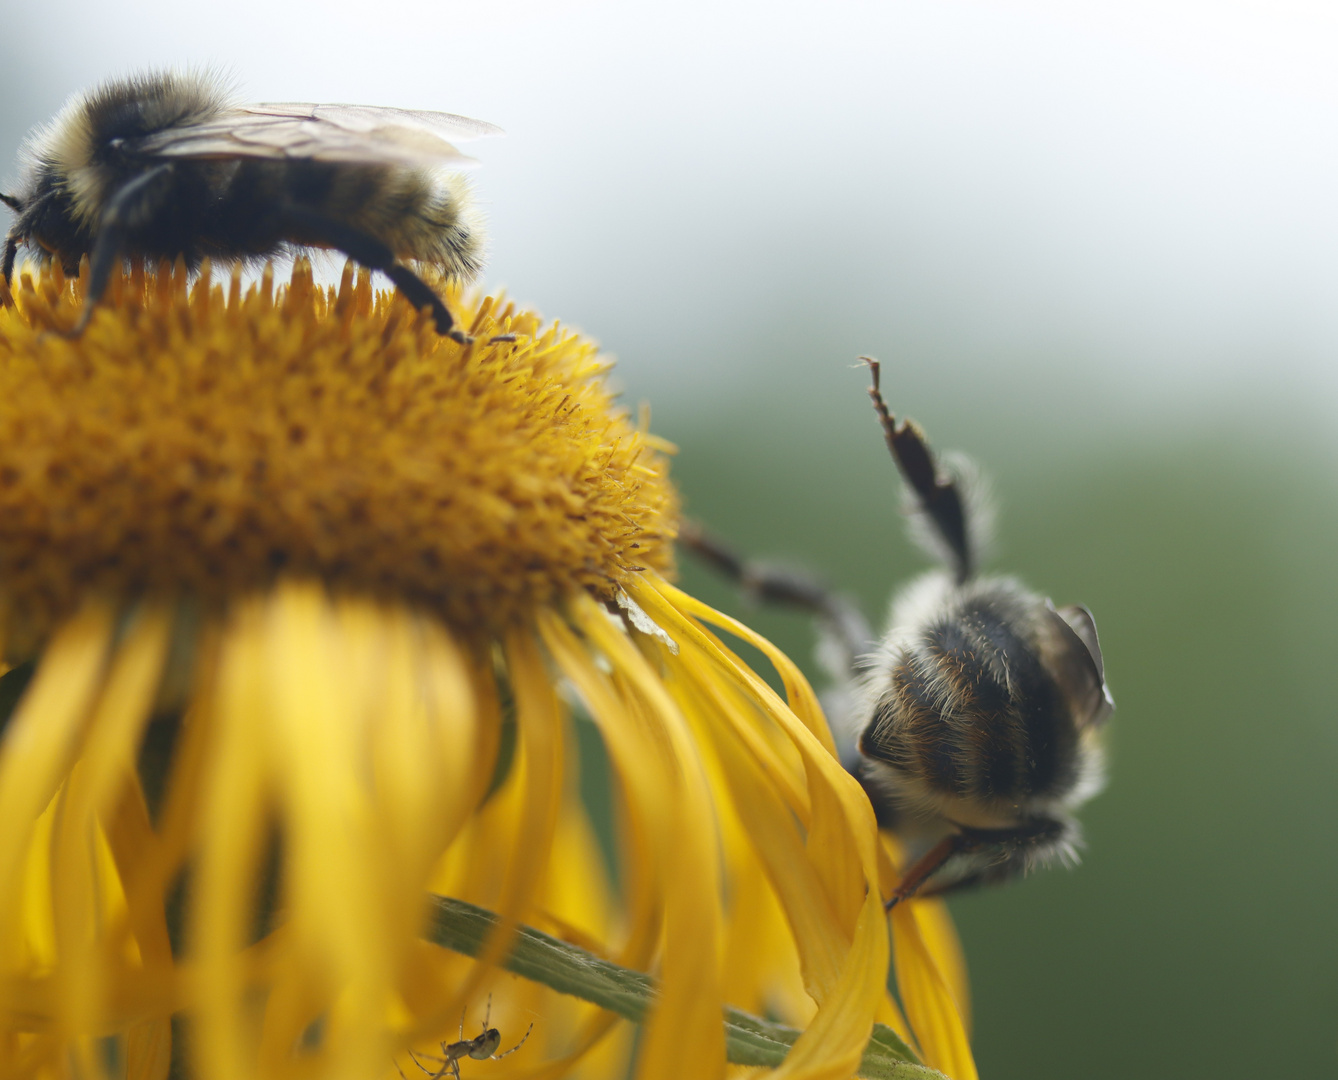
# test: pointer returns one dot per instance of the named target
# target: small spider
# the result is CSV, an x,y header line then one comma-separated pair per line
x,y
481,1048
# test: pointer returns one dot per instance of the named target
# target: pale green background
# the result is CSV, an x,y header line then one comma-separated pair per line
x,y
1096,246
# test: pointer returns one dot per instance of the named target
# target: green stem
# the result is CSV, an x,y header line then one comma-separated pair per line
x,y
536,956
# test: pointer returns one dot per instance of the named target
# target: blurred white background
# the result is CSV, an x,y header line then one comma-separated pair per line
x,y
1114,206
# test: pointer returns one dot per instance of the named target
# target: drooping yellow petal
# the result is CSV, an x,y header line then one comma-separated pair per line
x,y
845,970
236,791
926,995
40,743
85,881
841,833
943,944
685,1032
148,1054
319,599
325,813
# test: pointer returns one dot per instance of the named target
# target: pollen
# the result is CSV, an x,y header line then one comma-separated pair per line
x,y
188,445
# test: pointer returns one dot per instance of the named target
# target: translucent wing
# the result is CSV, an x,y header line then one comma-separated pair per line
x,y
348,133
368,117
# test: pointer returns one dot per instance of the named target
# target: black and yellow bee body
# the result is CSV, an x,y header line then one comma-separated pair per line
x,y
166,166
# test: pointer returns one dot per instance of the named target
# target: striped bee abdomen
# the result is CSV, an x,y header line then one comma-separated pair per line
x,y
968,708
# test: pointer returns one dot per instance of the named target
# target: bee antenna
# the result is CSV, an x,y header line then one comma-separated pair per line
x,y
14,204
938,497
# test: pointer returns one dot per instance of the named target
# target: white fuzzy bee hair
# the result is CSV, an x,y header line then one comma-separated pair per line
x,y
167,165
979,506
974,724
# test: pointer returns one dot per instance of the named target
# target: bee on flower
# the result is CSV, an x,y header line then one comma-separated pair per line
x,y
307,610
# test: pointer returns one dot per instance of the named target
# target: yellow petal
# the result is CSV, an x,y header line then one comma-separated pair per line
x,y
926,995
684,1034
40,742
846,976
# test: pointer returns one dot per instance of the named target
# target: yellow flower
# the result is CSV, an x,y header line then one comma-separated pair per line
x,y
306,611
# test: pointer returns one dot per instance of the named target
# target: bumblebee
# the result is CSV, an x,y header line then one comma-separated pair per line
x,y
167,166
974,724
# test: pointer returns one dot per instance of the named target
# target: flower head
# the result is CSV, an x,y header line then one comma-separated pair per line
x,y
307,611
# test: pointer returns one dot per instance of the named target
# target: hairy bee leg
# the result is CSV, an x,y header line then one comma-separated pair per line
x,y
11,253
925,867
319,229
997,874
15,236
940,498
785,587
1013,846
137,198
420,294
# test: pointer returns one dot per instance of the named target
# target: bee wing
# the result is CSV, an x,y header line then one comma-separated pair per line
x,y
1077,665
371,117
348,133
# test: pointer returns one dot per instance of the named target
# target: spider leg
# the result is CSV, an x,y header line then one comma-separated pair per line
x,y
498,1057
432,1075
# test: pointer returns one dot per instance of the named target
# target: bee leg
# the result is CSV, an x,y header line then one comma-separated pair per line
x,y
316,228
18,232
939,497
1013,850
1009,867
420,294
11,253
786,587
926,866
136,199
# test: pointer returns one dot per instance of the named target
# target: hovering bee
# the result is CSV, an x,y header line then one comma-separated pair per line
x,y
165,165
974,724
